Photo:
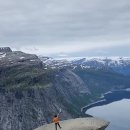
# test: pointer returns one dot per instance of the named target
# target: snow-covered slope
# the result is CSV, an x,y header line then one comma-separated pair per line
x,y
118,64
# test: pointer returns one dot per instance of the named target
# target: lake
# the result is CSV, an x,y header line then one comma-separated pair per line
x,y
114,107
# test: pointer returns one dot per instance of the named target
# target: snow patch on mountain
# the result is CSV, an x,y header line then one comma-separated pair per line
x,y
2,55
114,61
118,64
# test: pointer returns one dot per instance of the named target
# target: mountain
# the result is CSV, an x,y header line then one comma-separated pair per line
x,y
33,89
100,74
31,93
117,64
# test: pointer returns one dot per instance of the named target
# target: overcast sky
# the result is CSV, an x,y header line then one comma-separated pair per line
x,y
66,27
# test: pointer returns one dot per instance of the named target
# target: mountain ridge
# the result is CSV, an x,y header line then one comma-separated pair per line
x,y
32,91
117,64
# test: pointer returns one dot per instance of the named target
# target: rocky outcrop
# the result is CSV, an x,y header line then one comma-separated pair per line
x,y
5,49
79,124
18,58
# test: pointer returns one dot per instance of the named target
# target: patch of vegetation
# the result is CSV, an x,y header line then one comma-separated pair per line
x,y
25,77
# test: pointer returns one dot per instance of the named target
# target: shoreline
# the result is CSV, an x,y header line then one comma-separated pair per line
x,y
102,97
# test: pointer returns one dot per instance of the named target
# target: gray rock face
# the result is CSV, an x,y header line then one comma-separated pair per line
x,y
27,109
18,58
79,124
31,94
5,49
24,110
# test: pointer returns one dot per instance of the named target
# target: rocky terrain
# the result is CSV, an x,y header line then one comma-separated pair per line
x,y
30,93
79,124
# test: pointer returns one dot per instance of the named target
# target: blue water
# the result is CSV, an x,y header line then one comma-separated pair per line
x,y
116,110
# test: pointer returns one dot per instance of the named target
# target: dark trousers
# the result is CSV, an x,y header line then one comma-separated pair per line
x,y
58,125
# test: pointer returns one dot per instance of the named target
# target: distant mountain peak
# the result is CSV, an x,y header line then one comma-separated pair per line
x,y
5,49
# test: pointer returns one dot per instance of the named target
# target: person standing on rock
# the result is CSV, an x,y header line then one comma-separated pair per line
x,y
56,121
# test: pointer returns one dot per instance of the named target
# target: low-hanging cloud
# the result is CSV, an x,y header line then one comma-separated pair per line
x,y
56,26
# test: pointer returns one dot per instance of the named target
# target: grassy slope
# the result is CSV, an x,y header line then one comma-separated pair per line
x,y
24,77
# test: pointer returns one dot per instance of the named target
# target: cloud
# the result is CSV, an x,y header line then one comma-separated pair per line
x,y
122,50
68,49
54,26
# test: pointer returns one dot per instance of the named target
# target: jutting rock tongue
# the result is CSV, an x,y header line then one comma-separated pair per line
x,y
5,49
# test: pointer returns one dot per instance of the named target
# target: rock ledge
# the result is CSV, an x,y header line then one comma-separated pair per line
x,y
78,124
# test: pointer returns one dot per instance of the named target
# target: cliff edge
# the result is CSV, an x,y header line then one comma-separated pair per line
x,y
89,123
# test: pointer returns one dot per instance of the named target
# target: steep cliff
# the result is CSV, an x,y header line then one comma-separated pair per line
x,y
31,93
